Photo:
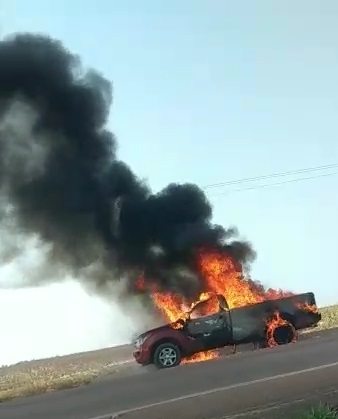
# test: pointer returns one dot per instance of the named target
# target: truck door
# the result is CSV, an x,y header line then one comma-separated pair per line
x,y
212,330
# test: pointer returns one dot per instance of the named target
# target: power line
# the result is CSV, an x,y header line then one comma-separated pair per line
x,y
275,184
273,175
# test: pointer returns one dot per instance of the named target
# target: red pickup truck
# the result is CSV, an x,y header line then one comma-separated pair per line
x,y
167,345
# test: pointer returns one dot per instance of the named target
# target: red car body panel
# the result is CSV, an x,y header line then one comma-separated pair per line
x,y
143,354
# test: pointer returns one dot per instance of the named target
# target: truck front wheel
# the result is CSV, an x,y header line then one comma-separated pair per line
x,y
167,355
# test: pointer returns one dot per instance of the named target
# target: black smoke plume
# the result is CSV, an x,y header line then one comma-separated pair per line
x,y
60,173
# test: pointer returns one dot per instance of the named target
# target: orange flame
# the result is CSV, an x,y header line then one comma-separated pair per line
x,y
311,308
224,277
273,324
221,276
202,356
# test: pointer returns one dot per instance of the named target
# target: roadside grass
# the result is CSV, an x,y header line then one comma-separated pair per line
x,y
321,412
329,317
37,377
32,379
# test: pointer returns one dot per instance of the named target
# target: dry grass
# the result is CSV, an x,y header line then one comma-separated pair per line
x,y
36,377
329,317
41,379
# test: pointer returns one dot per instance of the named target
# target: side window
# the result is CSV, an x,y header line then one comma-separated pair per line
x,y
205,308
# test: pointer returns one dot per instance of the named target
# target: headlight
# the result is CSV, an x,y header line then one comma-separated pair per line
x,y
140,341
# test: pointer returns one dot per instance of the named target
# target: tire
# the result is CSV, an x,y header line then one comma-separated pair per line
x,y
284,335
167,355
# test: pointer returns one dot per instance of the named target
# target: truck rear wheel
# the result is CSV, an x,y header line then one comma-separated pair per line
x,y
167,355
283,334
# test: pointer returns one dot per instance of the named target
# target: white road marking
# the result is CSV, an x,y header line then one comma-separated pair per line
x,y
215,390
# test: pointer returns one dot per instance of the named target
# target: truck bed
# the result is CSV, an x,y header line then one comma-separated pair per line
x,y
249,321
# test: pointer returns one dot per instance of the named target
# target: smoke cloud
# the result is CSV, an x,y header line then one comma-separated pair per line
x,y
61,179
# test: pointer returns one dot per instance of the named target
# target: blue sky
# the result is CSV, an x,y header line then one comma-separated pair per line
x,y
215,90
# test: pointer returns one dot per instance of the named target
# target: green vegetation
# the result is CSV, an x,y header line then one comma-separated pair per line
x,y
321,412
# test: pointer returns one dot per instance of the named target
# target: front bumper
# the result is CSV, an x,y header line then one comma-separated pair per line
x,y
142,356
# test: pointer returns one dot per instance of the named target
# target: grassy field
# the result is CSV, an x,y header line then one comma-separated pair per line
x,y
28,378
38,377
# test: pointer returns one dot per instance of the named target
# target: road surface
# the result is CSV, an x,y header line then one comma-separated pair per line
x,y
242,385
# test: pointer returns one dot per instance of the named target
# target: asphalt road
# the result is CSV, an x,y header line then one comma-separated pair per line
x,y
261,383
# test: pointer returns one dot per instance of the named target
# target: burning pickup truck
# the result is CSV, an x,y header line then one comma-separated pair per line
x,y
268,323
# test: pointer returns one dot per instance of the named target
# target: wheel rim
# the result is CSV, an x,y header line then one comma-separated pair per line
x,y
167,357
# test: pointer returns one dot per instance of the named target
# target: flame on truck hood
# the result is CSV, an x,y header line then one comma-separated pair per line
x,y
221,275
